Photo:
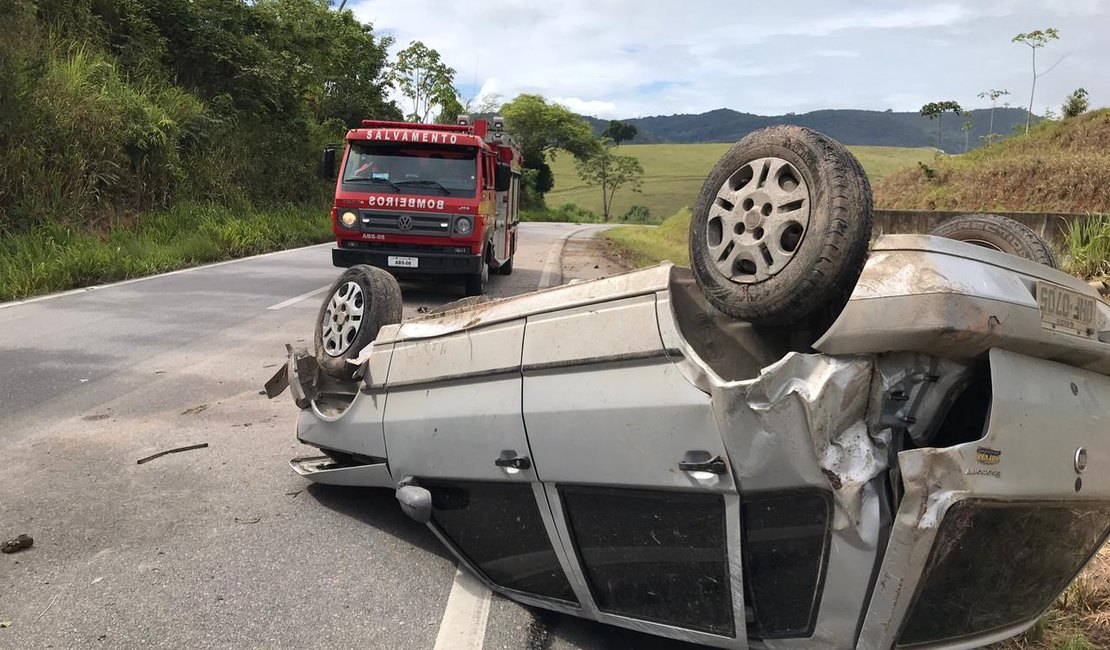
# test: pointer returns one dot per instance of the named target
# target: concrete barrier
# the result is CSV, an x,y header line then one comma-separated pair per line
x,y
1050,226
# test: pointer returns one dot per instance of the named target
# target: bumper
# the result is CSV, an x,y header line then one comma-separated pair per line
x,y
426,262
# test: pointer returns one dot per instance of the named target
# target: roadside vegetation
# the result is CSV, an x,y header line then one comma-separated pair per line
x,y
138,136
1060,166
674,173
57,257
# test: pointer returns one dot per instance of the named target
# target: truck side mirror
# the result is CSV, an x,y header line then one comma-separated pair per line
x,y
327,170
503,178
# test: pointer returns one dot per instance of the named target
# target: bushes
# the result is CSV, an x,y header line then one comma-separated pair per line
x,y
112,107
567,212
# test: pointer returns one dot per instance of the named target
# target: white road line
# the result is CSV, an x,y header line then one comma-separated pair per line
x,y
293,301
553,263
463,626
16,303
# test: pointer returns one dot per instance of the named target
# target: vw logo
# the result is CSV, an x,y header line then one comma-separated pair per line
x,y
404,222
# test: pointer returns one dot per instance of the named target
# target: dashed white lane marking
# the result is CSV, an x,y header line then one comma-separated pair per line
x,y
463,626
293,301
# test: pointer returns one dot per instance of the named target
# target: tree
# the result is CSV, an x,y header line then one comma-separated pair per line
x,y
1076,104
1036,40
936,110
611,171
619,132
966,128
424,81
993,95
540,129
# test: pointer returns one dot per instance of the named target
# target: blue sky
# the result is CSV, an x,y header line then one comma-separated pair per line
x,y
622,58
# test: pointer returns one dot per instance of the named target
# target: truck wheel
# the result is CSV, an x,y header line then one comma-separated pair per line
x,y
361,301
781,227
507,267
476,282
998,233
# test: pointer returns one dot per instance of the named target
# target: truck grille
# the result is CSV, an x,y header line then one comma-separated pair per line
x,y
405,223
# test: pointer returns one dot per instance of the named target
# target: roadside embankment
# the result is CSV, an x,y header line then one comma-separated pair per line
x,y
56,258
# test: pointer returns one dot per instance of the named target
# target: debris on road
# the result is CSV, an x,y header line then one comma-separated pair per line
x,y
4,624
17,544
195,410
170,451
247,520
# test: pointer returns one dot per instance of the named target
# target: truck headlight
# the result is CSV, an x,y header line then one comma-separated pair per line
x,y
463,225
348,219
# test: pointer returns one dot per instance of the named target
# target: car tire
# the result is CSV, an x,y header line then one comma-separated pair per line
x,y
779,232
362,300
999,233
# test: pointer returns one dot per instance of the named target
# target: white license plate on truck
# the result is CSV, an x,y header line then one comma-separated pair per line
x,y
1064,310
403,262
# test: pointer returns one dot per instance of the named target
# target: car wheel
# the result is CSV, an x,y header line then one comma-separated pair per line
x,y
476,282
780,230
361,301
999,233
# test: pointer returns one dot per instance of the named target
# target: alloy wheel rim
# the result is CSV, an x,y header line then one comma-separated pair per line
x,y
758,219
342,319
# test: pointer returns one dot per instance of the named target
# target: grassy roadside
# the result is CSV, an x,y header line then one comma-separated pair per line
x,y
55,258
641,246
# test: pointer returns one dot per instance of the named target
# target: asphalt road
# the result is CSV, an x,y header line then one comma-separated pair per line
x,y
222,546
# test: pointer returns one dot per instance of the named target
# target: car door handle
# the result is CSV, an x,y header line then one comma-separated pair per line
x,y
715,465
516,462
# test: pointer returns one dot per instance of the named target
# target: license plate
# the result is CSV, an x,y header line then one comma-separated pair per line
x,y
406,262
1064,310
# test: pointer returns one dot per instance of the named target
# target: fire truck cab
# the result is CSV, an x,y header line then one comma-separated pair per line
x,y
427,199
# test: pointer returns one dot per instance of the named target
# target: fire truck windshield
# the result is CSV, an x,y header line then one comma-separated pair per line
x,y
430,171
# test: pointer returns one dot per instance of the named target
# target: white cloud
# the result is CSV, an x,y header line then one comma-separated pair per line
x,y
626,58
593,107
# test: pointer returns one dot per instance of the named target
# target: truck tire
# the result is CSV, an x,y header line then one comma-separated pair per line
x,y
475,283
779,232
359,303
998,233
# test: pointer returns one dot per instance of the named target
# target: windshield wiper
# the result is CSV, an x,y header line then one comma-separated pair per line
x,y
426,182
395,186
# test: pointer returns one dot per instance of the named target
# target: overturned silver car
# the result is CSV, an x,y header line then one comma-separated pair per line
x,y
918,460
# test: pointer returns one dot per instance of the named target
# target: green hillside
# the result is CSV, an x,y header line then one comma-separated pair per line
x,y
1059,166
673,174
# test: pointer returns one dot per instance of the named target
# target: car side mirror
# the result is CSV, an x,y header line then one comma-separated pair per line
x,y
503,178
327,170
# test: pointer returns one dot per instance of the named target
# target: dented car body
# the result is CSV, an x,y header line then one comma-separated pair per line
x,y
930,471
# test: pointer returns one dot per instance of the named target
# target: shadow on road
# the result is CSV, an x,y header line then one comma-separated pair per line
x,y
378,508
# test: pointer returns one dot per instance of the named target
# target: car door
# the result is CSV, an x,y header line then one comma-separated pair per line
x,y
635,471
453,425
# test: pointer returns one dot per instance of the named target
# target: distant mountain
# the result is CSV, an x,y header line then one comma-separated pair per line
x,y
855,127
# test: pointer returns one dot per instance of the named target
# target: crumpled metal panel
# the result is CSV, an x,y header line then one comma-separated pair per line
x,y
804,420
804,423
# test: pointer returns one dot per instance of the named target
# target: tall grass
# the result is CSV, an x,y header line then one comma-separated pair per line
x,y
57,257
646,245
1087,243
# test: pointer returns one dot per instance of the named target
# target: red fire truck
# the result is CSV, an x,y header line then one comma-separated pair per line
x,y
427,199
